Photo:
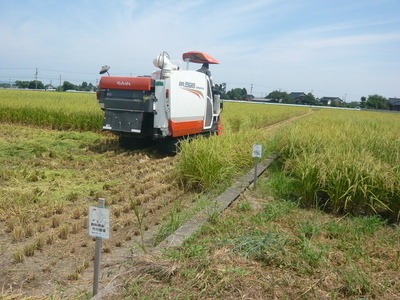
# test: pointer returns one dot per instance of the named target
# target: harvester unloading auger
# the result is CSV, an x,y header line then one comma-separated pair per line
x,y
172,103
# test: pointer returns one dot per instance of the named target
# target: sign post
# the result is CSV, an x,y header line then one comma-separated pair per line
x,y
257,151
99,227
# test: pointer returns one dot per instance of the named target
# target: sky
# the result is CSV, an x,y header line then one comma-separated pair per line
x,y
340,48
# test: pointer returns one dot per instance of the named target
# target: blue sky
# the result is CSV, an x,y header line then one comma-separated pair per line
x,y
341,48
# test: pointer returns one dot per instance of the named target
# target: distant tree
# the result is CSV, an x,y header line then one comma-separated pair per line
x,y
236,94
69,86
29,84
310,99
5,85
22,84
84,86
221,89
363,99
35,84
337,104
279,96
352,104
376,102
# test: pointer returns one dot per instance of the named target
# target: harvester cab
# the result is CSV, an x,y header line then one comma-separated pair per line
x,y
170,103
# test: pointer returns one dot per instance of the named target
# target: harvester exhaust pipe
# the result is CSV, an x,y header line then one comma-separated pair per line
x,y
163,62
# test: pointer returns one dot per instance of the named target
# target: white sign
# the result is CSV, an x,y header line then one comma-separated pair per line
x,y
99,222
257,150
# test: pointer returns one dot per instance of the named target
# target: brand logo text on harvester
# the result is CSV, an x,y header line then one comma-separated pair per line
x,y
186,84
123,83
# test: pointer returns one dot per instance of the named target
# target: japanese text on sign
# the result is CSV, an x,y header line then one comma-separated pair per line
x,y
99,222
257,150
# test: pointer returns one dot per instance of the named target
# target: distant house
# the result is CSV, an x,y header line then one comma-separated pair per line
x,y
49,87
297,96
250,97
330,100
394,103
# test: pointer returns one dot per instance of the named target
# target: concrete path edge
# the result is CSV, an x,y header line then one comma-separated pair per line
x,y
222,202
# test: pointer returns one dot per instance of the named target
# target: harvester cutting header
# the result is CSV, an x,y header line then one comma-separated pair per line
x,y
170,103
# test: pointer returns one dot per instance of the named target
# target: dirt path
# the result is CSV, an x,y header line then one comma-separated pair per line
x,y
277,125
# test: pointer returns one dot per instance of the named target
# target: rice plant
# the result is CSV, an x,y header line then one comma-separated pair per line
x,y
345,161
62,111
206,162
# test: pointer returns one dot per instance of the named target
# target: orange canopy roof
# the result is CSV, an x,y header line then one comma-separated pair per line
x,y
199,57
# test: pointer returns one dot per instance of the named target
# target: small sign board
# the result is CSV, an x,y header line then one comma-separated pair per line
x,y
257,150
99,222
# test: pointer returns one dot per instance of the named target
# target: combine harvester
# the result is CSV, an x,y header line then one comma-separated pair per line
x,y
169,105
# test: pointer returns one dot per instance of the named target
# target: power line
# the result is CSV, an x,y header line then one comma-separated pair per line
x,y
69,72
17,68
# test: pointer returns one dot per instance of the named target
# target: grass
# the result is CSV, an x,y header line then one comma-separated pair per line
x,y
277,249
180,214
265,247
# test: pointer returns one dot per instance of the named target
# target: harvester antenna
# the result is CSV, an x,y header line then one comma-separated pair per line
x,y
162,65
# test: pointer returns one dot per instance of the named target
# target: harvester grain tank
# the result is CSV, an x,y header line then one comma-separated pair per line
x,y
173,102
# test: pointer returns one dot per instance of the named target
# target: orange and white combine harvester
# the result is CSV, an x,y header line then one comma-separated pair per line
x,y
173,102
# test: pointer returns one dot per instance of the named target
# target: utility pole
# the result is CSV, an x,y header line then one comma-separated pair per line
x,y
251,89
60,83
36,78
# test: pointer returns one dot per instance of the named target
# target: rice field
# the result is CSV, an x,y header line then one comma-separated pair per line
x,y
206,162
345,161
61,111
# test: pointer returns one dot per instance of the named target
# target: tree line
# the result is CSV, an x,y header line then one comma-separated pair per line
x,y
37,84
370,102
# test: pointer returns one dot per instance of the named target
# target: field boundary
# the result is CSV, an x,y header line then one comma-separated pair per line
x,y
220,203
